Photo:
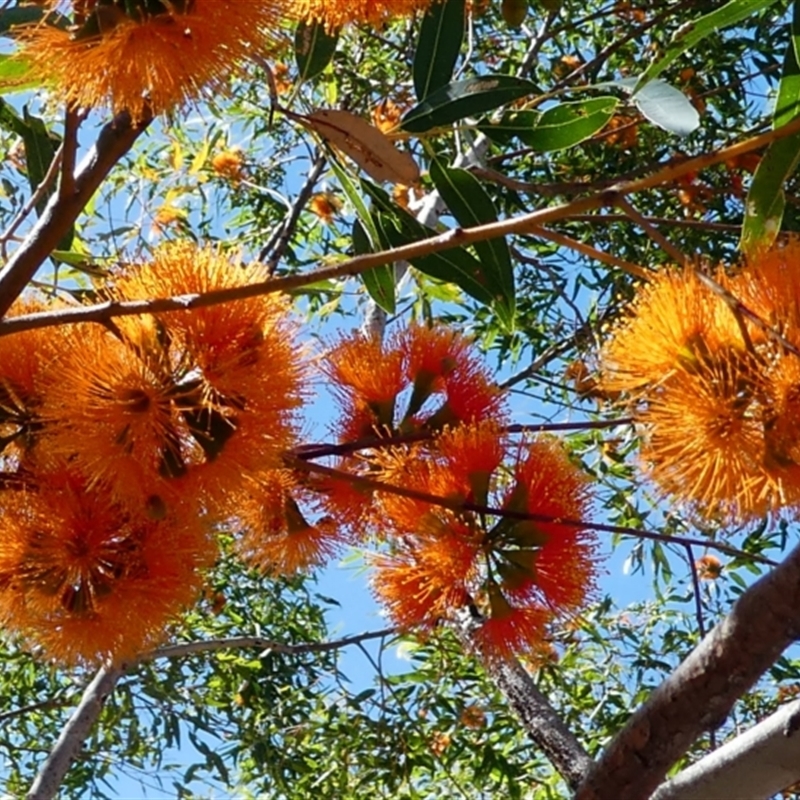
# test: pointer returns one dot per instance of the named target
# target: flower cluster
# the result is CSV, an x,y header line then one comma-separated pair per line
x,y
147,56
717,396
508,539
125,446
430,424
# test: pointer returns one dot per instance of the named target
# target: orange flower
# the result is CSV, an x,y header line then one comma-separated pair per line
x,y
85,580
675,325
529,570
367,376
423,583
116,414
373,13
709,568
26,370
705,446
276,536
440,361
145,61
325,205
239,358
229,164
511,628
437,365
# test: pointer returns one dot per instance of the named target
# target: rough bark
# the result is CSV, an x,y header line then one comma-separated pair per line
x,y
698,696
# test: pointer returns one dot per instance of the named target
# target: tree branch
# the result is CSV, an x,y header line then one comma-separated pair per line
x,y
74,733
537,716
753,766
700,693
115,139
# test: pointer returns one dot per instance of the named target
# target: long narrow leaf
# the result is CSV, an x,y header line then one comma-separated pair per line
x,y
765,199
438,46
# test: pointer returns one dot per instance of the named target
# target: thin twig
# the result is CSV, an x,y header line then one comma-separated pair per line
x,y
656,235
276,245
260,643
461,505
456,237
324,449
34,199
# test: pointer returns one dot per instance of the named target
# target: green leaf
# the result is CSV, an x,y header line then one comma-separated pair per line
x,y
662,104
471,205
313,49
40,148
379,281
456,265
439,43
568,124
14,75
766,201
689,34
353,194
463,99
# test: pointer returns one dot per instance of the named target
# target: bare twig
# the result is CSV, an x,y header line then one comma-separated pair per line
x,y
259,643
700,693
277,243
11,279
34,199
293,462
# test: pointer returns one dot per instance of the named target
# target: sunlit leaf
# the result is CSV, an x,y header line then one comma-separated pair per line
x,y
464,99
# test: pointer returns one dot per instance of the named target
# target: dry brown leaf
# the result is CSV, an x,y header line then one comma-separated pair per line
x,y
371,149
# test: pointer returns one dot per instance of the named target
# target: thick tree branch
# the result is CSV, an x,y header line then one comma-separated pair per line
x,y
537,716
74,733
698,696
114,141
753,766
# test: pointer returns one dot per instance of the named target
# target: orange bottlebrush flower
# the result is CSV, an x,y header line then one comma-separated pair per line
x,y
473,717
709,568
229,164
440,742
241,358
115,412
705,446
547,559
675,324
146,62
440,361
472,453
85,580
277,538
511,629
770,287
368,376
424,583
26,368
386,115
325,205
373,13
